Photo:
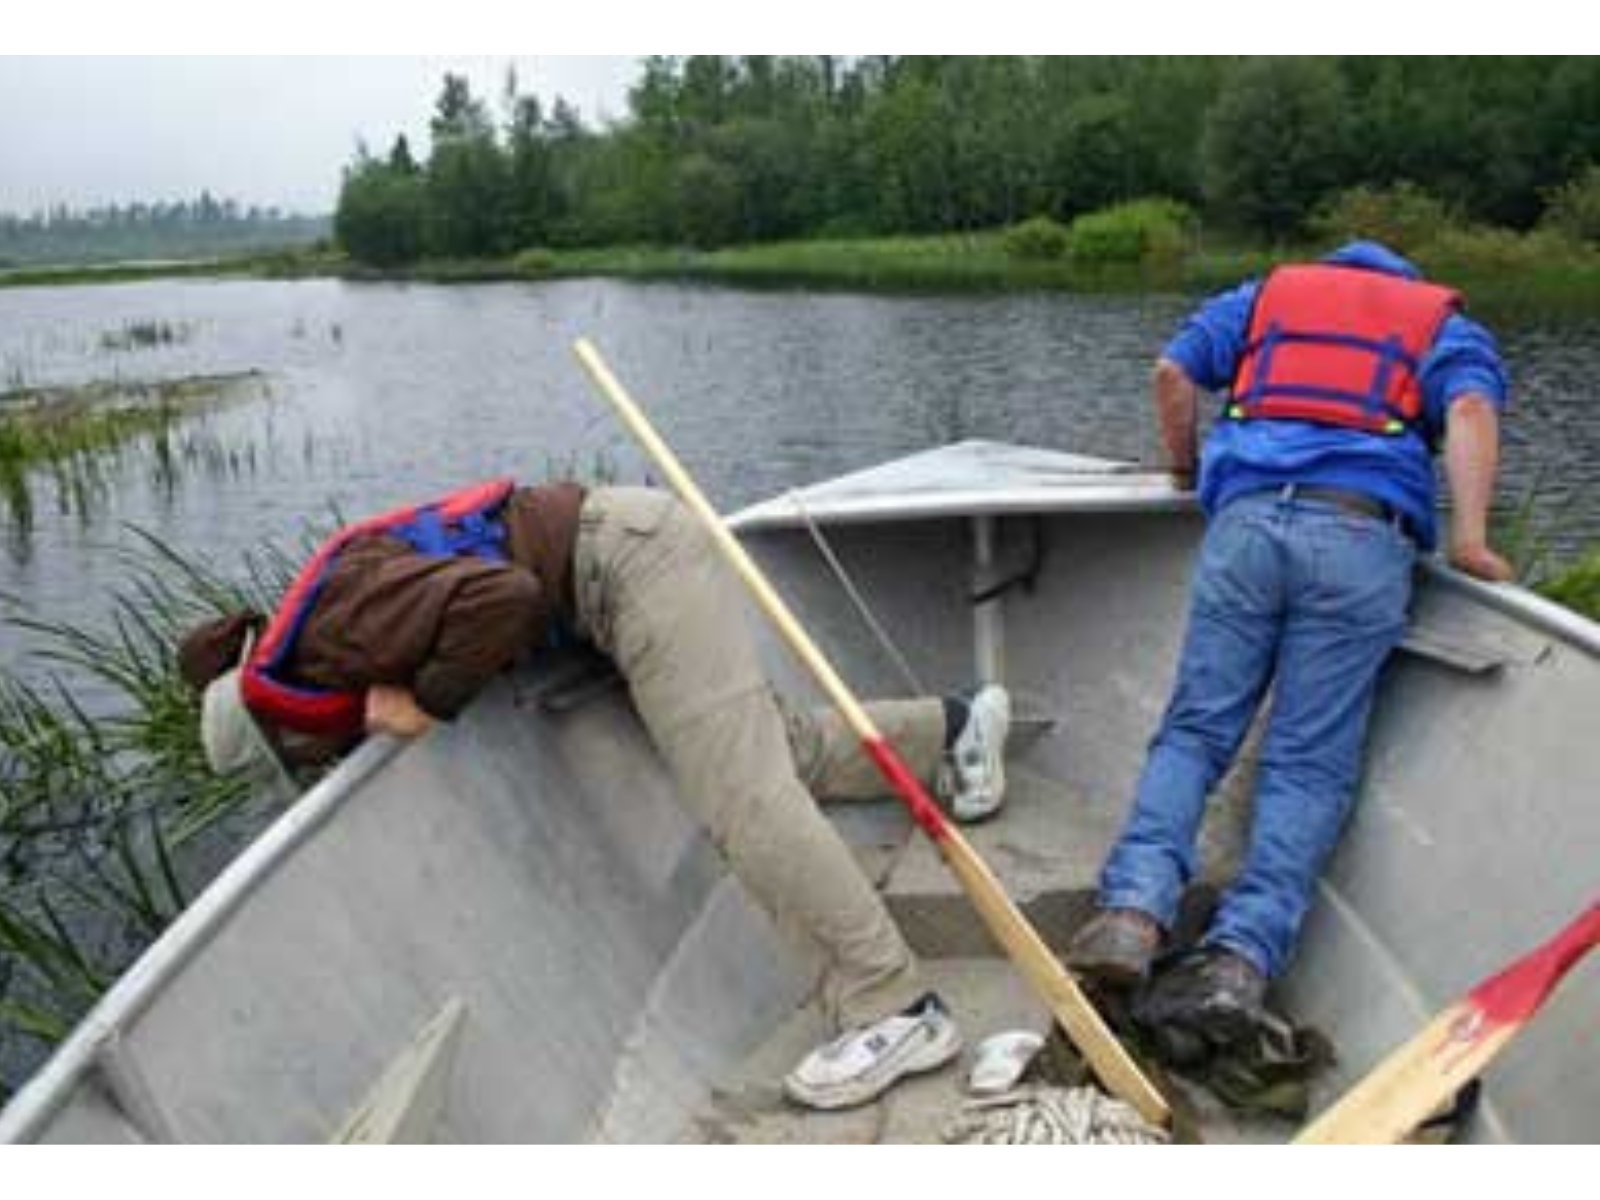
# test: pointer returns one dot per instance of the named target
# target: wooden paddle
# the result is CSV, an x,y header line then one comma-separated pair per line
x,y
1412,1083
1111,1062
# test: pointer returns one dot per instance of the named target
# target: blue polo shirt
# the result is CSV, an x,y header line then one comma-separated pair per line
x,y
1249,456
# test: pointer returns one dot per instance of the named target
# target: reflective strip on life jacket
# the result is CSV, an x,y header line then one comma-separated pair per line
x,y
1339,346
462,523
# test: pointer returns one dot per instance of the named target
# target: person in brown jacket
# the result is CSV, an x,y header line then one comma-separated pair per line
x,y
417,635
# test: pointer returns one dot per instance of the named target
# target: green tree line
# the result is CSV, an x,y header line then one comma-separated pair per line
x,y
203,227
716,150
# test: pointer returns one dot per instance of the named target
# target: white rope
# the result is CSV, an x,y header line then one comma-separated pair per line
x,y
878,631
1040,1115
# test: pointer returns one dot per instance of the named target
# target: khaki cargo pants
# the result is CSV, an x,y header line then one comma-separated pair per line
x,y
654,594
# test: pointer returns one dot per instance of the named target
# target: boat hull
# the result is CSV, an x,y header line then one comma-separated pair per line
x,y
532,871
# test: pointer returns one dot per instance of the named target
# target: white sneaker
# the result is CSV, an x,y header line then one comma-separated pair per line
x,y
975,780
864,1063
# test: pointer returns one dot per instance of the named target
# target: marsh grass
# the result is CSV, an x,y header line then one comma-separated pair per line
x,y
1526,537
1578,586
13,374
109,819
1508,275
90,274
82,437
146,335
1520,533
592,468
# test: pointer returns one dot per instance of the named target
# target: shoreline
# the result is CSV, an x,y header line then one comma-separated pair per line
x,y
1541,287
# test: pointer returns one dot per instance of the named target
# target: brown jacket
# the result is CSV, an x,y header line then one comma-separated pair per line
x,y
442,627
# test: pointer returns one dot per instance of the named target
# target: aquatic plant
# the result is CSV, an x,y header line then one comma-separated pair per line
x,y
1520,533
78,435
13,375
146,335
109,818
1577,586
597,468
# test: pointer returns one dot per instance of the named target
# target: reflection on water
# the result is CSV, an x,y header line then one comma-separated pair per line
x,y
386,393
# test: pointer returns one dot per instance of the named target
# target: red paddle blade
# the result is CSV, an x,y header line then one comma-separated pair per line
x,y
1516,993
1404,1089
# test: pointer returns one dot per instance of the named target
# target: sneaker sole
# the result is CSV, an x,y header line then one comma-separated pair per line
x,y
917,1061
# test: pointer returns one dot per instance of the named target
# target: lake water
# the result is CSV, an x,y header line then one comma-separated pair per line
x,y
382,394
376,395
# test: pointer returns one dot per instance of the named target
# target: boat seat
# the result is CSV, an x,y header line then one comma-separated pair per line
x,y
1450,630
1458,654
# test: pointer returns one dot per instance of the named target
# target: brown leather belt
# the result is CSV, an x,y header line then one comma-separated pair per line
x,y
1355,502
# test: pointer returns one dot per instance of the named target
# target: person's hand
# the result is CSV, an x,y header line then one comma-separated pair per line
x,y
394,710
1182,478
1477,560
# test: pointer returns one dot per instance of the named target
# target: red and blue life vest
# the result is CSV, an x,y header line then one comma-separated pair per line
x,y
466,522
1339,346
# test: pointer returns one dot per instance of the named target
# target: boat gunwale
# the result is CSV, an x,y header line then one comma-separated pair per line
x,y
1510,599
44,1095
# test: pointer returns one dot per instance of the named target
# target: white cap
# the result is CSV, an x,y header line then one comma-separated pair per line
x,y
234,743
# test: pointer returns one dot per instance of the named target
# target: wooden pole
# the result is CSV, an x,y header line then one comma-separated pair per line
x,y
1406,1088
1021,942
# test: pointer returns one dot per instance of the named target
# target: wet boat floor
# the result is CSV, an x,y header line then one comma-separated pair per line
x,y
987,996
1046,848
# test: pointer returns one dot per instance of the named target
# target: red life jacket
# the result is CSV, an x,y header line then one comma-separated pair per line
x,y
1339,346
464,522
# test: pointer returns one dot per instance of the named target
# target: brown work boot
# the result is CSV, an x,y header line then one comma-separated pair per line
x,y
1115,947
1211,991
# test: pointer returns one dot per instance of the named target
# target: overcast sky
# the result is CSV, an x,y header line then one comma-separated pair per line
x,y
87,131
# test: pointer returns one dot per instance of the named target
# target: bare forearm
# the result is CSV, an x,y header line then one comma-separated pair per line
x,y
1472,460
1177,400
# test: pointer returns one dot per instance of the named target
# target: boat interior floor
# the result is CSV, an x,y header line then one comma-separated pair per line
x,y
1046,846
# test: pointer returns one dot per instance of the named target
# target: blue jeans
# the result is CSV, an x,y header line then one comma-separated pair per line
x,y
1309,597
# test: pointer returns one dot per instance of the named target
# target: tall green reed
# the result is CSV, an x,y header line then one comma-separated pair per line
x,y
80,438
146,335
109,817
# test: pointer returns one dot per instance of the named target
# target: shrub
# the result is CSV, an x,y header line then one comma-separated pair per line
x,y
1573,209
1038,239
534,263
1139,231
1404,217
1486,250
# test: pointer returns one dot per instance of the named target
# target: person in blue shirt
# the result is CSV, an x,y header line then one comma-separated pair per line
x,y
1343,378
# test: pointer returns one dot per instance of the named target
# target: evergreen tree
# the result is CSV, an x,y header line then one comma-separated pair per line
x,y
381,213
716,149
466,182
1275,142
